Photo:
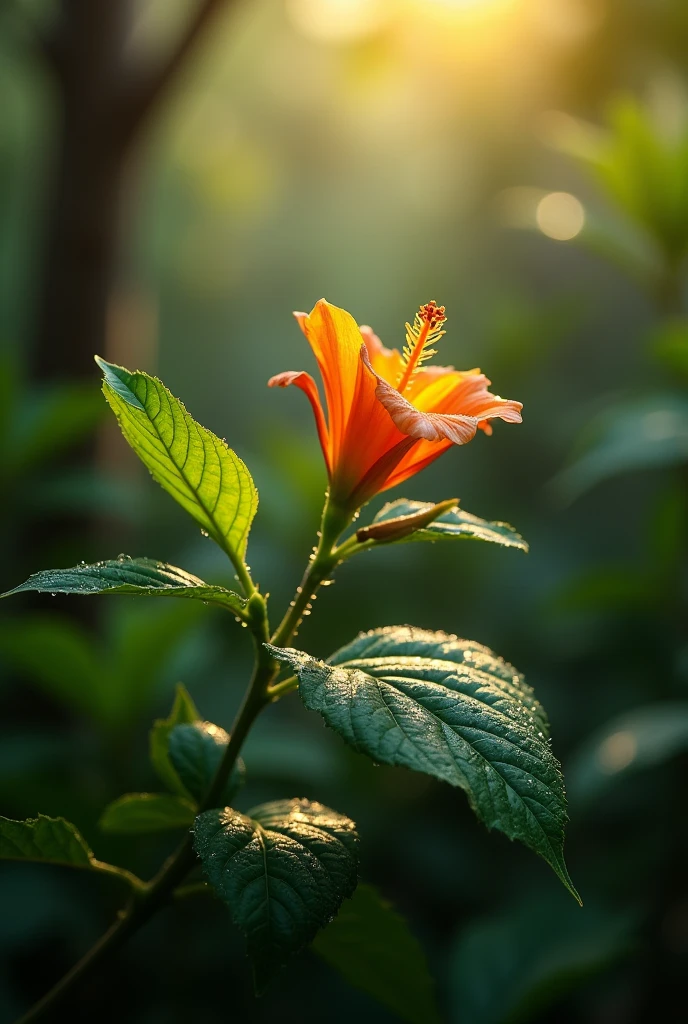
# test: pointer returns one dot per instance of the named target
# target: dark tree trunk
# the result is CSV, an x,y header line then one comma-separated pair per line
x,y
85,188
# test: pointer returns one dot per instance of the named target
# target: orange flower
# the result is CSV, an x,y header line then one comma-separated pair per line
x,y
388,416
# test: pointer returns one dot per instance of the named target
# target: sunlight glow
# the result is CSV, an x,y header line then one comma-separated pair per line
x,y
337,20
560,215
617,751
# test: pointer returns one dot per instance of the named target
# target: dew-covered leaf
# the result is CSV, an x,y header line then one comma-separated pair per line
x,y
373,948
193,465
147,812
453,524
452,709
283,869
195,751
135,576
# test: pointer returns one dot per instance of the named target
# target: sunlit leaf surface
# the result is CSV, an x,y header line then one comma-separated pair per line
x,y
452,709
193,465
143,577
452,525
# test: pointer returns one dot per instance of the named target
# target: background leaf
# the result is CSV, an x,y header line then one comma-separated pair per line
x,y
631,742
648,433
283,870
512,966
410,697
124,575
452,525
372,947
193,465
147,812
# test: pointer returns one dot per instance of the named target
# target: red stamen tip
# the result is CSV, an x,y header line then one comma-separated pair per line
x,y
432,314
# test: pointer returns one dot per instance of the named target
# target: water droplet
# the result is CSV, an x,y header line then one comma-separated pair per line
x,y
204,533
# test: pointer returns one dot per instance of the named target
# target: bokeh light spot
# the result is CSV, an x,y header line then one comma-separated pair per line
x,y
337,20
560,215
618,751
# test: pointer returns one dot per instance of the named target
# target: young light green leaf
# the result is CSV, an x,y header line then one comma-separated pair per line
x,y
124,575
52,841
195,752
452,524
147,812
374,950
183,711
451,709
193,465
283,869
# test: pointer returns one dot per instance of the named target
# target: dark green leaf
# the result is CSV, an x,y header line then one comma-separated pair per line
x,y
195,751
453,710
61,658
147,812
193,465
649,433
283,870
48,422
373,948
513,966
124,575
451,525
53,841
183,712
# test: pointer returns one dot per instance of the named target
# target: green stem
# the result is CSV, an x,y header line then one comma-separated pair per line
x,y
334,521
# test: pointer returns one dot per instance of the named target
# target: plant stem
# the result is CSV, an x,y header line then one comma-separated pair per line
x,y
334,521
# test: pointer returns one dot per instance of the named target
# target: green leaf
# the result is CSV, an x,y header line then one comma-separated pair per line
x,y
59,656
451,525
283,869
632,742
52,841
374,950
147,812
183,711
193,465
650,433
451,709
48,421
513,966
124,575
195,751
